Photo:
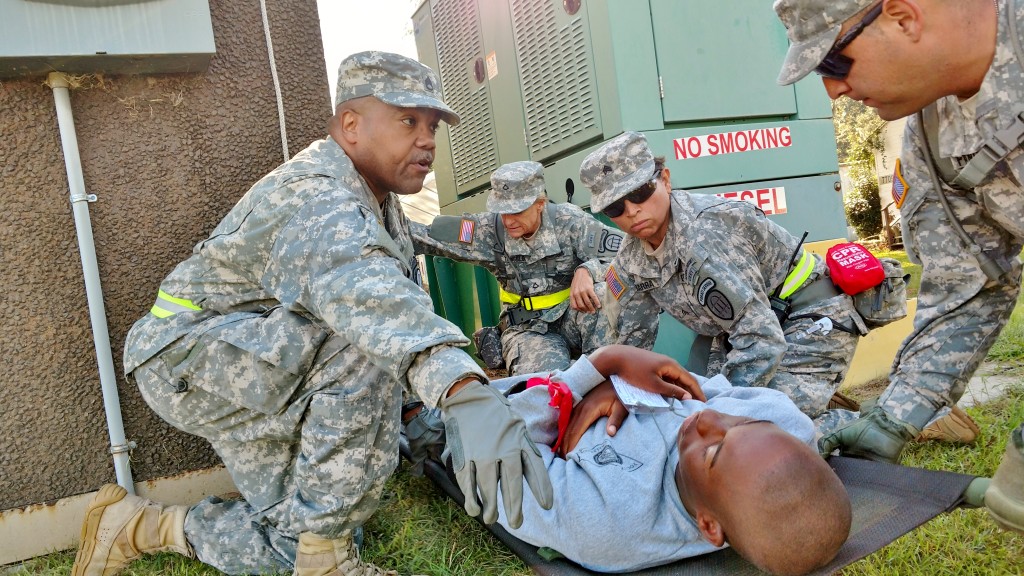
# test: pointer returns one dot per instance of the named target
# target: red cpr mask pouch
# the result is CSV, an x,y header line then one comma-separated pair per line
x,y
853,269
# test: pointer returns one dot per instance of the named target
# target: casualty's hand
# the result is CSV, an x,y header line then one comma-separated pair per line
x,y
874,436
424,432
582,296
647,370
489,444
598,403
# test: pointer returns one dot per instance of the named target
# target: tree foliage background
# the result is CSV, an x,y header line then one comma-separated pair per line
x,y
859,134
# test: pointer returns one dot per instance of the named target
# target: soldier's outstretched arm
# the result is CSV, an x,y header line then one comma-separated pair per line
x,y
489,445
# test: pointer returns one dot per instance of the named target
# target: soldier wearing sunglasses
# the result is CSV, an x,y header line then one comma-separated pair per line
x,y
717,266
954,67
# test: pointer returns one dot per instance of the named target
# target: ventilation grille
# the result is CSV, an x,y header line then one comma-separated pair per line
x,y
474,151
557,77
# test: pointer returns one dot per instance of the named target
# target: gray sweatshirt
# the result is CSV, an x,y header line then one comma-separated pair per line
x,y
616,506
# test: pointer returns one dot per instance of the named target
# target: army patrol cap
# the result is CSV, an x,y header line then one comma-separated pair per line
x,y
393,79
620,166
813,27
515,187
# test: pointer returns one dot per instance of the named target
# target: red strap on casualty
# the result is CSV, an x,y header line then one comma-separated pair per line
x,y
561,398
853,268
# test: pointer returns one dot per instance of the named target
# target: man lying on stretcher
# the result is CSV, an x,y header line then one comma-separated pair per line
x,y
725,466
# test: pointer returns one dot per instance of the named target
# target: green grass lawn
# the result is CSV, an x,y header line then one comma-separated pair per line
x,y
418,530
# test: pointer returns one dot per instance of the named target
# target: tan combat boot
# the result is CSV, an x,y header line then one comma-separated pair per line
x,y
1005,496
119,528
956,427
318,556
843,402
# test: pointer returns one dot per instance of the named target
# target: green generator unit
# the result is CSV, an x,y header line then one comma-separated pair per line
x,y
552,80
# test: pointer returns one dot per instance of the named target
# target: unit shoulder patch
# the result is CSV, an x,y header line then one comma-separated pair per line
x,y
719,305
610,242
712,298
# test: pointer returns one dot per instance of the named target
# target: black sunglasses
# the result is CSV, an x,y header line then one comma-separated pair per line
x,y
836,65
638,196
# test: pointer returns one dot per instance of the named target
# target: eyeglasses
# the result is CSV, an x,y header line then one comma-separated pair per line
x,y
836,65
638,196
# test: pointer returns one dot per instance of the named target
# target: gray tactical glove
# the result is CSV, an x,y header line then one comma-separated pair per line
x,y
875,436
425,433
487,444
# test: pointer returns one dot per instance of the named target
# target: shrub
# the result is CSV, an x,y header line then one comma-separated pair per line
x,y
862,205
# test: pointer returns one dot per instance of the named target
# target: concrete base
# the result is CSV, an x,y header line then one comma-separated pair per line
x,y
876,351
46,528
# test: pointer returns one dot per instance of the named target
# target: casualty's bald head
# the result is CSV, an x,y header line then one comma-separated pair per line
x,y
794,517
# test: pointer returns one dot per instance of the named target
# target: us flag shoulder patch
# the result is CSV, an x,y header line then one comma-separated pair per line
x,y
614,283
899,185
466,230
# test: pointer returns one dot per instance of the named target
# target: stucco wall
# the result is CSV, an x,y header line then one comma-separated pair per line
x,y
167,155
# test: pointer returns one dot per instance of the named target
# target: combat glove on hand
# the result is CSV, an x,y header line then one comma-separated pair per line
x,y
425,434
874,436
489,444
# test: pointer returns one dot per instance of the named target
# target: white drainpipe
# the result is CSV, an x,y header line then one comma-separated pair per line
x,y
90,270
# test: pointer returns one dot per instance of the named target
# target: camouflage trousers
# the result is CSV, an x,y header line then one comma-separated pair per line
x,y
318,464
539,346
959,311
815,362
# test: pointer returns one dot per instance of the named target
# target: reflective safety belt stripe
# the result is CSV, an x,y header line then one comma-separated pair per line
x,y
167,305
798,276
534,302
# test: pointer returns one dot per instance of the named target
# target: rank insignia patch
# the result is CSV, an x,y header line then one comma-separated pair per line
x,y
466,230
614,283
899,185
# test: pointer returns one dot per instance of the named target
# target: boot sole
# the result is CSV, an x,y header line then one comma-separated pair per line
x,y
107,495
1005,523
1010,514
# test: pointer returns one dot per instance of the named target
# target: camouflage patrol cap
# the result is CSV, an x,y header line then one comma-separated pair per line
x,y
393,79
515,187
813,27
620,166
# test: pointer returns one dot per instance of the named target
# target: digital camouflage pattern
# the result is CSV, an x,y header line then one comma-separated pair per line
x,y
960,312
620,166
721,260
312,322
393,79
567,238
515,187
813,27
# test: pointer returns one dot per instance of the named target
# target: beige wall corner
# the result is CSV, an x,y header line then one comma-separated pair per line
x,y
876,351
45,528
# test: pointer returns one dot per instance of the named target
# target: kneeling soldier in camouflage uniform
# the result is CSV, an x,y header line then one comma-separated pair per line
x,y
286,340
545,257
726,271
714,265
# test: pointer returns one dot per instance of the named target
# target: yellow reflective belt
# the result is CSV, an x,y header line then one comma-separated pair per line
x,y
534,302
798,276
167,305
